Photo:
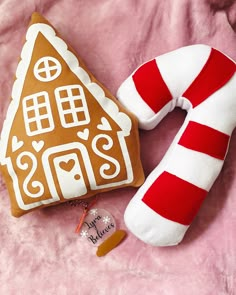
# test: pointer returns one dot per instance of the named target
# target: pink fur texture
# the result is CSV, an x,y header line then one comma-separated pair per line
x,y
40,253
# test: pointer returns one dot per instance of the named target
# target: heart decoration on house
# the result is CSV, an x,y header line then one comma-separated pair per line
x,y
16,144
67,166
38,145
83,134
104,124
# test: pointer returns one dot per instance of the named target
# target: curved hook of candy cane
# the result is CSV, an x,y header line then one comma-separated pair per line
x,y
201,80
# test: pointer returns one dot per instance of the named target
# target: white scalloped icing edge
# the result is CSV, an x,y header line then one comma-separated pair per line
x,y
107,104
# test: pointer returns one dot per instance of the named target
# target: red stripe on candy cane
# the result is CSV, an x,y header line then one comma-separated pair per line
x,y
216,72
204,139
151,86
174,198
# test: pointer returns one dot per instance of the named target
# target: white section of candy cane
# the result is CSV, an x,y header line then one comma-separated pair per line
x,y
218,112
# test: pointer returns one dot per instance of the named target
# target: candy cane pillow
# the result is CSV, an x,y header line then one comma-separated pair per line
x,y
65,136
201,80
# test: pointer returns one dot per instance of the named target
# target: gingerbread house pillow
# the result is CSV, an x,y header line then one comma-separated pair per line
x,y
65,136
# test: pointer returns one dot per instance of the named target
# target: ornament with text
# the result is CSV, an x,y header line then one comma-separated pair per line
x,y
99,229
98,226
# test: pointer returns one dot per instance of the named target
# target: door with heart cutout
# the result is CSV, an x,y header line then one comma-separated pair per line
x,y
65,165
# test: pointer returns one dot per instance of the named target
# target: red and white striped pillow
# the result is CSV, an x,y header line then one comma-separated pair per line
x,y
201,80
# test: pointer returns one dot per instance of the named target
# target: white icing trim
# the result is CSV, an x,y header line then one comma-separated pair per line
x,y
109,106
18,195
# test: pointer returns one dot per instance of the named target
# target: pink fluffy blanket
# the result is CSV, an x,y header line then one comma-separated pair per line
x,y
40,253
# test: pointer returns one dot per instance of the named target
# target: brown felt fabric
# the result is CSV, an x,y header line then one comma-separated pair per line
x,y
88,150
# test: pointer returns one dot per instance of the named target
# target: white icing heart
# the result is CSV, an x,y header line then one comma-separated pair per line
x,y
16,144
105,125
83,134
38,145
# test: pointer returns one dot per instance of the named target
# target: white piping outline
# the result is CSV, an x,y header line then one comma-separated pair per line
x,y
110,107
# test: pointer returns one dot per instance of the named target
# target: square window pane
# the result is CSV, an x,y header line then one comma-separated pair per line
x,y
29,102
33,126
41,99
63,93
80,116
78,103
69,118
45,123
43,111
66,105
75,91
31,114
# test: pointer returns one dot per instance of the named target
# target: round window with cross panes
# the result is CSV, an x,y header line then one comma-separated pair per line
x,y
47,69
